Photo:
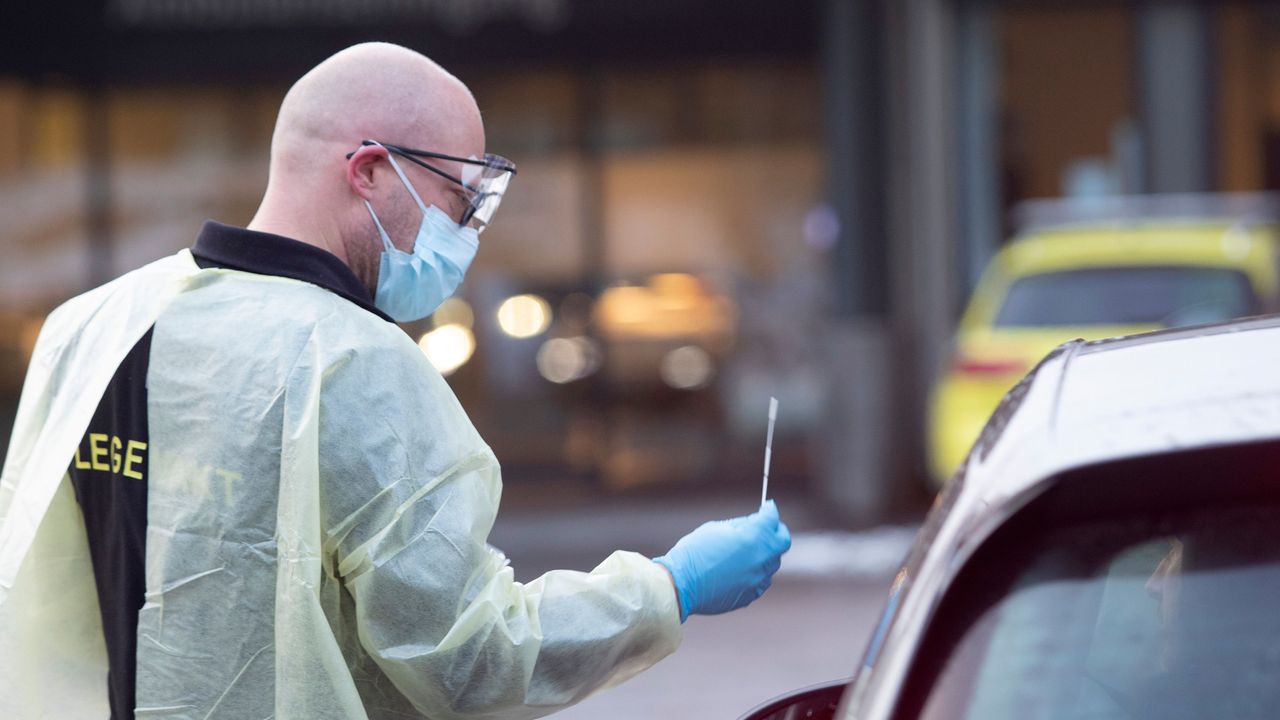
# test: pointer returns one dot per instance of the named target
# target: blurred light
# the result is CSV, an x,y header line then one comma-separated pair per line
x,y
686,368
524,316
563,360
448,347
454,311
821,227
676,287
670,305
626,305
1091,179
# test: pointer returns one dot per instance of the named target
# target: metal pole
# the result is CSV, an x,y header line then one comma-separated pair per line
x,y
97,164
1176,94
853,86
856,448
981,205
923,213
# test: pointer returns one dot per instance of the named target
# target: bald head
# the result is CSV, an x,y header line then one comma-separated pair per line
x,y
375,91
378,91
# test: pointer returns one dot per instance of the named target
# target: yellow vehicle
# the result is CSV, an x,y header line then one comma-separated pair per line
x,y
1055,284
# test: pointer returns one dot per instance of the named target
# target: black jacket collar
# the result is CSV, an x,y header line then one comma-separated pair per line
x,y
226,246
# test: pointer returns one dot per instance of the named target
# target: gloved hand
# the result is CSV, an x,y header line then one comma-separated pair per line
x,y
725,564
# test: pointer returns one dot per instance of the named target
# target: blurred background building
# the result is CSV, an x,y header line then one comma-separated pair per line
x,y
718,200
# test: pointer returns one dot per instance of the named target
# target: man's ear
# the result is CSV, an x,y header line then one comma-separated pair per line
x,y
360,169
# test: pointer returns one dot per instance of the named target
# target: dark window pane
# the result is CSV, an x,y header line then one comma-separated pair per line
x,y
1168,296
1128,619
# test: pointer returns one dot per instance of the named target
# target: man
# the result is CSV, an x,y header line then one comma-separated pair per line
x,y
237,490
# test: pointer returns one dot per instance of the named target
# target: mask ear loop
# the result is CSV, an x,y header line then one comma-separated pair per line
x,y
386,239
382,232
408,185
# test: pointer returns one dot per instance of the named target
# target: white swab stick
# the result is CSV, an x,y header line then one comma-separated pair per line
x,y
768,449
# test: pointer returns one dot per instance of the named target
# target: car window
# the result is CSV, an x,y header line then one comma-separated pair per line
x,y
1123,619
1166,296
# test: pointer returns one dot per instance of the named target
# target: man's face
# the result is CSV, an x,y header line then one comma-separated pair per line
x,y
396,208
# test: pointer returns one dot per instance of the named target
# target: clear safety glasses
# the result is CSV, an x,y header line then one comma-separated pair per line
x,y
484,179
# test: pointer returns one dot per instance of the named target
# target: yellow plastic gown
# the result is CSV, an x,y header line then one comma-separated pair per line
x,y
317,513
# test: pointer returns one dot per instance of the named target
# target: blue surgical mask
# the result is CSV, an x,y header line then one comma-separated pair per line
x,y
412,285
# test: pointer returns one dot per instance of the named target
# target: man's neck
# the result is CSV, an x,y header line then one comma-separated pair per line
x,y
283,224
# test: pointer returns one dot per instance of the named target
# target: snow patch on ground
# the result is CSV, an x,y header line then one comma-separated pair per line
x,y
870,553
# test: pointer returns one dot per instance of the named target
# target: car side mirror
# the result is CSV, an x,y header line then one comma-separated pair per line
x,y
818,702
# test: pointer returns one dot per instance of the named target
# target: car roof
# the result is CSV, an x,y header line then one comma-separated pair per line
x,y
1092,402
1086,404
1189,242
1146,208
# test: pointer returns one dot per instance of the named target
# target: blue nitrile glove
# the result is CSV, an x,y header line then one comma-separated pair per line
x,y
725,564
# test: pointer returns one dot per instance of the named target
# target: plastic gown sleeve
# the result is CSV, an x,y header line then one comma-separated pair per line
x,y
410,495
